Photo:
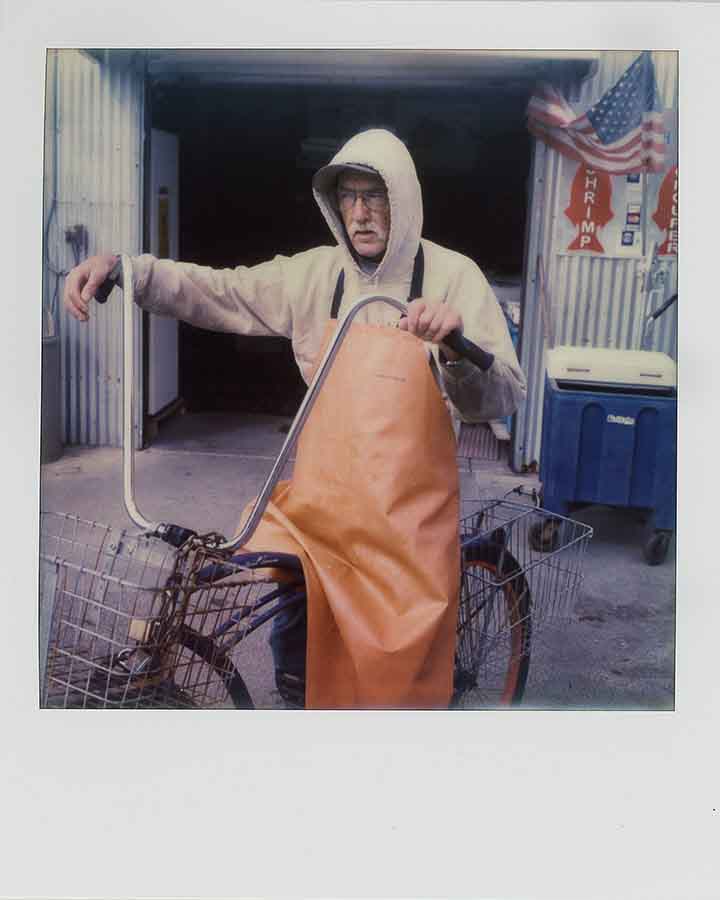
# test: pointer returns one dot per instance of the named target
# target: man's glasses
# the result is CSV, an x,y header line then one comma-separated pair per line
x,y
374,200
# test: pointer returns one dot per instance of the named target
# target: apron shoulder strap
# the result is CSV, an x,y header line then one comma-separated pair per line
x,y
337,296
416,283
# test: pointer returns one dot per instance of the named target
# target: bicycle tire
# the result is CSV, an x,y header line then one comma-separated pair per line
x,y
492,659
195,674
223,686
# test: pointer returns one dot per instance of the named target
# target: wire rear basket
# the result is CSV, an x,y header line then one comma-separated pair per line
x,y
548,548
132,623
522,573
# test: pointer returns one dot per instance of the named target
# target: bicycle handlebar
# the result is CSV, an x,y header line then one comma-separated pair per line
x,y
106,288
129,400
461,345
455,341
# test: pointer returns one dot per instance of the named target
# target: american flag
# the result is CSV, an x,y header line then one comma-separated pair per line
x,y
622,133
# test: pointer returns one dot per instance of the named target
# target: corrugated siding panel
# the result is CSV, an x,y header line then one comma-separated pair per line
x,y
595,302
99,155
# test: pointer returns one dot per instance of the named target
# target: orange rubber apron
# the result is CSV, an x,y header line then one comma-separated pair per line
x,y
372,512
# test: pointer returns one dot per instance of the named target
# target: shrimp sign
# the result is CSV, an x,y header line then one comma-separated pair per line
x,y
589,209
617,216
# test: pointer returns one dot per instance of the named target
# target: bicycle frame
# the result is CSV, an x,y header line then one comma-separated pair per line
x,y
291,593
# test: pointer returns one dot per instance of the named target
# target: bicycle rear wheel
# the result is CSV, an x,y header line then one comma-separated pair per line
x,y
492,658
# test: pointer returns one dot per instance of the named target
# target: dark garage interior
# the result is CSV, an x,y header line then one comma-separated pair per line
x,y
249,143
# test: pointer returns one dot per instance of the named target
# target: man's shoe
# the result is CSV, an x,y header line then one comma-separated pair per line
x,y
291,688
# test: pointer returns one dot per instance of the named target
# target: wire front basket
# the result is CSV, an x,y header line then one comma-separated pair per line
x,y
131,623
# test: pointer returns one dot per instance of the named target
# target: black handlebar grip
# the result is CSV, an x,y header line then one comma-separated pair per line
x,y
460,344
105,289
114,278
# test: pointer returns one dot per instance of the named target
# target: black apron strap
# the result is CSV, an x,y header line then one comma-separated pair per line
x,y
337,296
416,283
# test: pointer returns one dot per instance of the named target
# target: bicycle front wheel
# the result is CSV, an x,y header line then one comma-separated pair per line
x,y
203,676
194,674
494,629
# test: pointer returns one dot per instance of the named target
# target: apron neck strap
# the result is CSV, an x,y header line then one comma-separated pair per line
x,y
416,283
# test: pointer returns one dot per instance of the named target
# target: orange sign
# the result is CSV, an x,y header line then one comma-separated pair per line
x,y
666,214
589,208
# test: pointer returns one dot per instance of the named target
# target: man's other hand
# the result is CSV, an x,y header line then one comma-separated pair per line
x,y
431,321
82,282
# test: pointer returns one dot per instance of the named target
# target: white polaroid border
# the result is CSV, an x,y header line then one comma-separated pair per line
x,y
531,804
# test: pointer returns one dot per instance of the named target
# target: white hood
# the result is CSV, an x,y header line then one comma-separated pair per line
x,y
389,157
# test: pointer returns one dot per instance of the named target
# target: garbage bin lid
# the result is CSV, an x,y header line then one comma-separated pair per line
x,y
609,366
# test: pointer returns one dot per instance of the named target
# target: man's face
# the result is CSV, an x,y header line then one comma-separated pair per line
x,y
365,210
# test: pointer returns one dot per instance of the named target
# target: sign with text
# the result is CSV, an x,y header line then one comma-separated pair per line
x,y
589,210
603,213
666,214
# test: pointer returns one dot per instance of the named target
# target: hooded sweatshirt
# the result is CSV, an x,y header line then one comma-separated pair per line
x,y
291,296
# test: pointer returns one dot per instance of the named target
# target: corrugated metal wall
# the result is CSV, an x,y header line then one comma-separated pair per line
x,y
95,168
589,301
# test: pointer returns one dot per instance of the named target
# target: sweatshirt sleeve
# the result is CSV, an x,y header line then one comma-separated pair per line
x,y
249,300
496,392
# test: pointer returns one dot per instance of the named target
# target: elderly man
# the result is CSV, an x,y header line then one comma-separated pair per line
x,y
370,197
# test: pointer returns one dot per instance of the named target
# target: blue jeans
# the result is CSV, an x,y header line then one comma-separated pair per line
x,y
288,640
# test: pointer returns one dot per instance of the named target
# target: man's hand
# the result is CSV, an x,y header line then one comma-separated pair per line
x,y
82,282
432,322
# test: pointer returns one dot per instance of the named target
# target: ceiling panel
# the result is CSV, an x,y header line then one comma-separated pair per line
x,y
368,67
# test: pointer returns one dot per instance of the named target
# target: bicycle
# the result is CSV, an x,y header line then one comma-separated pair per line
x,y
152,620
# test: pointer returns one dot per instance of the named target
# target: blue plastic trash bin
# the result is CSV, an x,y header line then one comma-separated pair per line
x,y
609,432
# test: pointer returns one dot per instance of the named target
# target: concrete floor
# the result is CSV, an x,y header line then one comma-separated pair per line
x,y
616,652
